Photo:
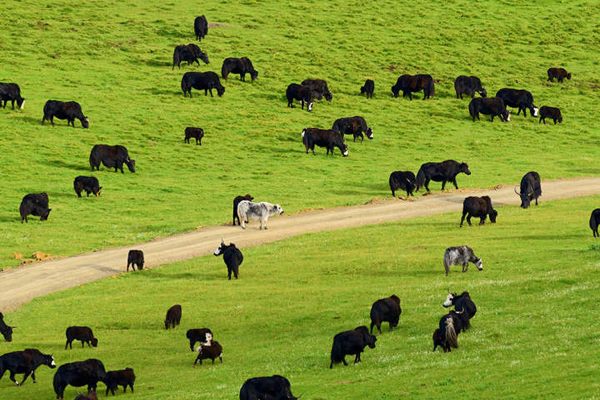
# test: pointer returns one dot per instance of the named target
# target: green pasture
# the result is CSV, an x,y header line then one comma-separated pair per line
x,y
535,335
114,58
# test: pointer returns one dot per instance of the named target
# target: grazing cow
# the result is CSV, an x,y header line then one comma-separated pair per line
x,y
200,27
319,86
559,73
354,126
82,333
302,93
211,351
468,85
201,80
135,258
203,335
190,53
327,138
594,223
88,183
492,106
439,340
274,387
461,255
24,362
550,112
240,66
368,88
173,316
531,188
114,379
111,157
404,180
80,373
386,310
409,84
196,133
5,330
478,207
11,92
35,204
521,99
461,303
445,171
260,211
236,201
64,110
351,342
231,255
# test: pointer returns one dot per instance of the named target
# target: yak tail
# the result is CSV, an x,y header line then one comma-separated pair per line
x,y
451,336
593,226
225,70
420,179
336,352
430,87
176,59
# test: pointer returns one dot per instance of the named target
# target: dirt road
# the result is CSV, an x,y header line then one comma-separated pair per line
x,y
20,285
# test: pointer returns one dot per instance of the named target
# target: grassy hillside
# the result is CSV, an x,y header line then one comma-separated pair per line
x,y
534,336
114,58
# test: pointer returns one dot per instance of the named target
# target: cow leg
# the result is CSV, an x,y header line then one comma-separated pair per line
x,y
12,378
465,266
554,121
228,273
454,181
461,224
469,220
52,120
242,78
443,184
427,184
482,220
210,91
344,361
524,111
25,377
235,274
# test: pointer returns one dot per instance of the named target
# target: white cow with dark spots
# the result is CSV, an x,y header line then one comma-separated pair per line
x,y
261,211
461,255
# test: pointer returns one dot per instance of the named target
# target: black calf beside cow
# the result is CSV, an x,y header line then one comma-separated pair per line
x,y
196,133
11,92
209,351
81,333
24,362
135,258
201,80
386,310
368,88
80,373
35,204
559,73
531,189
354,126
304,94
202,335
520,99
404,180
479,207
550,112
468,85
173,316
88,183
492,106
327,138
351,342
444,171
111,157
114,379
274,387
64,110
240,66
236,201
190,53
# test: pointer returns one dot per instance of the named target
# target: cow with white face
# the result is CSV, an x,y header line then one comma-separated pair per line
x,y
462,303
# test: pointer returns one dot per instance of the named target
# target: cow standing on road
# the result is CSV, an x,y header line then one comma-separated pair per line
x,y
531,188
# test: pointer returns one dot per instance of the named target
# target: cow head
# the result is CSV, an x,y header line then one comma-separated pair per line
x,y
277,209
525,197
493,215
254,74
219,249
248,197
569,76
94,342
449,300
464,167
21,101
479,263
369,133
371,339
203,57
395,91
220,91
534,111
345,150
49,361
328,96
506,115
45,216
482,92
130,164
97,191
7,333
85,122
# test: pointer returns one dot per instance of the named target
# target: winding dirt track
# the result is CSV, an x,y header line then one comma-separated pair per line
x,y
20,285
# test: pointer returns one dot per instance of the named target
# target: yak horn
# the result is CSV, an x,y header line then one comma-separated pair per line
x,y
459,312
518,194
222,241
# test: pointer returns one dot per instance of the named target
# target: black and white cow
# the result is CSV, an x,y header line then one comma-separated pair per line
x,y
520,99
24,362
319,86
461,303
461,255
80,373
479,207
368,88
327,138
202,335
209,351
404,180
190,53
35,204
351,342
274,387
468,85
261,211
200,27
444,171
492,106
11,92
386,310
111,157
201,80
354,126
231,255
240,66
304,94
531,188
550,112
64,110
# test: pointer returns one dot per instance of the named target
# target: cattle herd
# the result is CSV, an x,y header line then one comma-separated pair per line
x,y
352,342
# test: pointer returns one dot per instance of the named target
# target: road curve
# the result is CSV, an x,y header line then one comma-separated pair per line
x,y
22,284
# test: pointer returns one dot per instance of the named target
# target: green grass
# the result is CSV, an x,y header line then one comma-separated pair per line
x,y
535,335
113,57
